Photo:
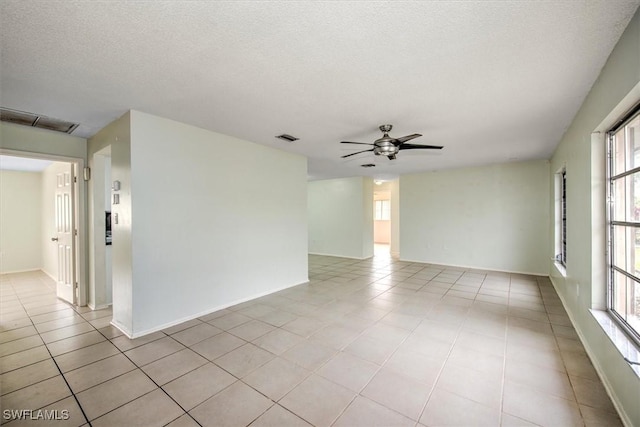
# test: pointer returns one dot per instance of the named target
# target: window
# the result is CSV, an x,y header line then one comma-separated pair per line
x,y
561,218
382,210
623,292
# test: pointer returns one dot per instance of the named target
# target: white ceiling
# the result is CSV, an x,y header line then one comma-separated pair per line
x,y
492,81
23,164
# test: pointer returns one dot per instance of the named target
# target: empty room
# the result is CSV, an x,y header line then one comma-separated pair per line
x,y
319,213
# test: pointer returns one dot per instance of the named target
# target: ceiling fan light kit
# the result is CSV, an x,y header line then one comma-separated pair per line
x,y
388,146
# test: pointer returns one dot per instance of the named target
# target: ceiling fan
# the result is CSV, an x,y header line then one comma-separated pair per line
x,y
387,146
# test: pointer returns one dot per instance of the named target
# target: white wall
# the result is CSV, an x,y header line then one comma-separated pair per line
x,y
584,287
20,221
116,138
341,217
49,248
214,219
491,217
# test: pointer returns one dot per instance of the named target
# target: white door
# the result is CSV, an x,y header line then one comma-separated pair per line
x,y
65,239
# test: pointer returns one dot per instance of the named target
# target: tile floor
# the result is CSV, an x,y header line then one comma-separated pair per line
x,y
375,342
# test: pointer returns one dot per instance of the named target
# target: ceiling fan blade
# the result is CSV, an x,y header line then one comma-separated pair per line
x,y
404,139
358,152
349,142
416,147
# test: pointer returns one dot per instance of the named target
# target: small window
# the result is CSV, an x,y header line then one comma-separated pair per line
x,y
623,291
382,210
561,218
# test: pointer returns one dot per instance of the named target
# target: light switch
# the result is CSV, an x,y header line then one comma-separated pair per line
x,y
116,186
116,199
115,218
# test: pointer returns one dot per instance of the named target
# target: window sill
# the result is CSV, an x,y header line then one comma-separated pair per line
x,y
625,345
561,268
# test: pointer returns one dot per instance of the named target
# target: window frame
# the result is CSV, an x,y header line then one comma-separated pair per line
x,y
561,218
612,269
382,203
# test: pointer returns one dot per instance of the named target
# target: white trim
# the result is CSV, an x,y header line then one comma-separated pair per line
x,y
21,271
595,362
201,314
99,307
340,256
82,260
470,267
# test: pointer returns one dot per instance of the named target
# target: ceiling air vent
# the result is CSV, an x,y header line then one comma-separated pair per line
x,y
30,119
287,137
368,165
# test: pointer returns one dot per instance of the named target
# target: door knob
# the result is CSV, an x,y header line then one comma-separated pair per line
x,y
54,239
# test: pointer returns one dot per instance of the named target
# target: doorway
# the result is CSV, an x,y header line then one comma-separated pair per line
x,y
42,225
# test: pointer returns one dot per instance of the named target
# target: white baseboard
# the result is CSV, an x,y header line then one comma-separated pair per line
x,y
340,256
471,267
20,271
203,313
596,363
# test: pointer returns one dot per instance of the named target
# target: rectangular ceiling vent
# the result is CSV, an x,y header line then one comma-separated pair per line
x,y
35,120
368,165
287,137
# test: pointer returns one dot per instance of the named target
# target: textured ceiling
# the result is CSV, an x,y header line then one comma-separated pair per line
x,y
492,81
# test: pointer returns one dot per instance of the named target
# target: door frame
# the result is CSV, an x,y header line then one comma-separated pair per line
x,y
80,250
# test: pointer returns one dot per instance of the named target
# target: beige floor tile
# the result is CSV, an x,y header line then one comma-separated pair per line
x,y
550,359
538,407
229,321
251,330
276,378
182,326
579,365
195,334
448,409
309,354
18,333
277,416
349,371
154,350
543,379
592,393
66,332
238,405
509,420
152,409
304,326
278,341
19,345
110,332
114,393
23,358
198,385
98,372
416,366
124,343
86,355
102,322
365,413
28,375
397,392
481,387
480,361
244,359
217,345
74,343
594,417
173,366
59,314
59,323
36,395
318,401
184,421
371,350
